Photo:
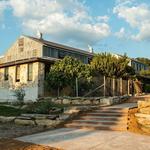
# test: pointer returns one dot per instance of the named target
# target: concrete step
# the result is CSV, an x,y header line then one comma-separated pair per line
x,y
101,122
113,108
105,114
110,112
109,118
97,127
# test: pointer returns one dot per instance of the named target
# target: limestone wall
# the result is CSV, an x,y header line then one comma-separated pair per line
x,y
143,115
30,49
32,88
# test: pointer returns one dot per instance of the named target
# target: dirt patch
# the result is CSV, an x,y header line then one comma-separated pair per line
x,y
9,144
133,126
11,130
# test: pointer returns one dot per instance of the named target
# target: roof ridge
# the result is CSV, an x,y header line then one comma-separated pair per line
x,y
46,42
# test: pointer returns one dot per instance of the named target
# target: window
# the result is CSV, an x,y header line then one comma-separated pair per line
x,y
30,72
6,75
17,73
50,52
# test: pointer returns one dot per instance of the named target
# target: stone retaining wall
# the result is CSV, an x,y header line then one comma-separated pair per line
x,y
88,100
143,115
50,121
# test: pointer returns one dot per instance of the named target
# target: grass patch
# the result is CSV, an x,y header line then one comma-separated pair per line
x,y
9,111
44,107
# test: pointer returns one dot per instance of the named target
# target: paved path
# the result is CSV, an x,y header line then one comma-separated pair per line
x,y
80,139
124,105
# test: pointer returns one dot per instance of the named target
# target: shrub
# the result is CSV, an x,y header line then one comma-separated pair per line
x,y
19,94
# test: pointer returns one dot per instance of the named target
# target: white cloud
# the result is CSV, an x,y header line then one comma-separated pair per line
x,y
121,34
61,19
3,5
138,17
103,18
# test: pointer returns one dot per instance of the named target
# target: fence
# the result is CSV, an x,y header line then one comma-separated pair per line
x,y
99,86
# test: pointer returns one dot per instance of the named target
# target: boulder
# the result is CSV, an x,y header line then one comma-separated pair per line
x,y
47,123
4,119
143,104
144,121
145,110
24,122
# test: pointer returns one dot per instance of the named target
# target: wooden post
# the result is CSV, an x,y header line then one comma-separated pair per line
x,y
114,87
121,87
77,87
128,87
104,86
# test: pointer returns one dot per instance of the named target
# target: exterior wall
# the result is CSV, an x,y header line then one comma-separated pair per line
x,y
31,87
31,49
41,75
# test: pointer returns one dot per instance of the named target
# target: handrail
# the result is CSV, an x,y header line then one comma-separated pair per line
x,y
94,90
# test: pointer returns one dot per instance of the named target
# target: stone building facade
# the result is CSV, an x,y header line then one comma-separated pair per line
x,y
26,63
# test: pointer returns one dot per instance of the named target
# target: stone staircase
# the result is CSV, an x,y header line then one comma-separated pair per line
x,y
104,118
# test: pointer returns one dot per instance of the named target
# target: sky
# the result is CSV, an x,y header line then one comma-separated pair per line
x,y
116,26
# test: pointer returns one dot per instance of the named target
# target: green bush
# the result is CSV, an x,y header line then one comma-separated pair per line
x,y
147,88
10,111
43,107
19,94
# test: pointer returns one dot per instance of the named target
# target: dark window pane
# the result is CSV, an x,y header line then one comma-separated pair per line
x,y
6,74
17,73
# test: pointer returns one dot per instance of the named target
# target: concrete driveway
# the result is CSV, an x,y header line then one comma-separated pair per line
x,y
81,139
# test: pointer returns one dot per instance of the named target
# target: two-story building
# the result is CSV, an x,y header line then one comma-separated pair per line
x,y
26,63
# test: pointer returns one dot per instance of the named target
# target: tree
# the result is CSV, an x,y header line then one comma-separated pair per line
x,y
65,72
145,73
111,66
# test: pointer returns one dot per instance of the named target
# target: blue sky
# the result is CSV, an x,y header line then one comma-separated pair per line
x,y
117,26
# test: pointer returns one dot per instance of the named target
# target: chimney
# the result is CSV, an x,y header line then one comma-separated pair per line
x,y
41,36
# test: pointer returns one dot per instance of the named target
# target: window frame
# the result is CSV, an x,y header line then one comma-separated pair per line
x,y
17,69
6,74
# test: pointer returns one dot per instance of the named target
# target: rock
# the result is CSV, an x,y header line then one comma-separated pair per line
x,y
145,110
143,120
143,104
24,122
140,115
4,119
24,106
71,110
64,117
47,123
145,129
